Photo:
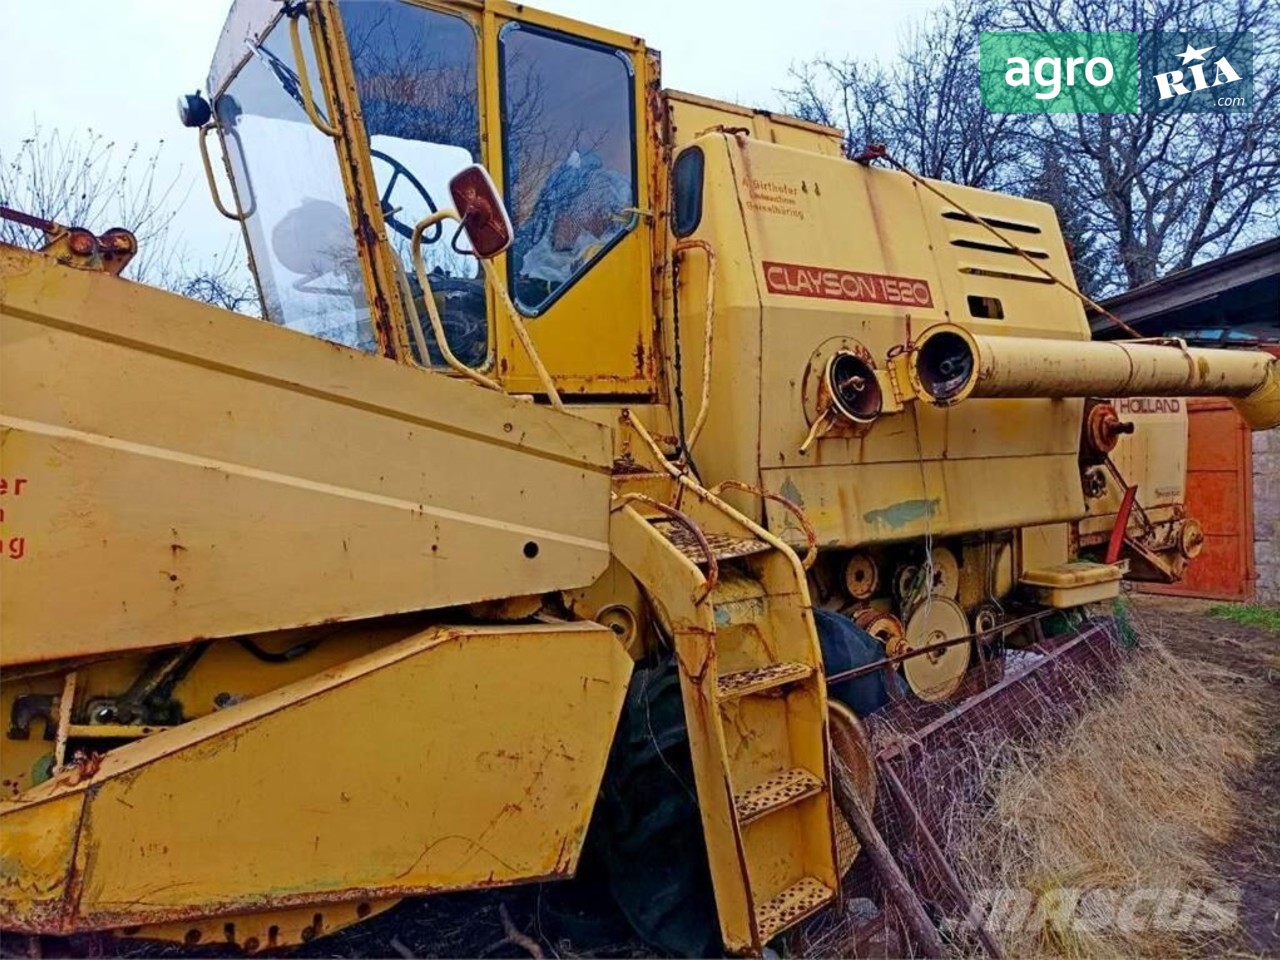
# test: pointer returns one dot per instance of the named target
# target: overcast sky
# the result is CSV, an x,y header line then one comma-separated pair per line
x,y
118,66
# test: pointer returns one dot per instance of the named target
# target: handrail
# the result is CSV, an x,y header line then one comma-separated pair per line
x,y
704,407
411,311
680,474
810,534
213,184
429,301
304,80
686,521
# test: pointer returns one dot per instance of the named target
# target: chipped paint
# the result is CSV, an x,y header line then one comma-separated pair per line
x,y
792,492
902,514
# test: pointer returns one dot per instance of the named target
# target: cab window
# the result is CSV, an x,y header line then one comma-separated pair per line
x,y
416,75
569,158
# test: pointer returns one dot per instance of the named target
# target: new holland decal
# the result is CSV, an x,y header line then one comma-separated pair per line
x,y
798,280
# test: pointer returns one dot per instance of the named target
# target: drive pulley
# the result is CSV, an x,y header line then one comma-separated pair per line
x,y
935,674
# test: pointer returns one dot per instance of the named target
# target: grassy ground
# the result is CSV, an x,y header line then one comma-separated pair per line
x,y
1240,655
1250,614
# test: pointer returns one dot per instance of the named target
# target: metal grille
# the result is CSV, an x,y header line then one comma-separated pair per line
x,y
933,761
776,792
723,546
790,905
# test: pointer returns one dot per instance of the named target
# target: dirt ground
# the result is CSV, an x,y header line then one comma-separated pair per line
x,y
1250,659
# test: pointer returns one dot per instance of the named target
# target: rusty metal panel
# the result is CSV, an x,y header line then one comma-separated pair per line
x,y
180,472
39,858
457,758
690,115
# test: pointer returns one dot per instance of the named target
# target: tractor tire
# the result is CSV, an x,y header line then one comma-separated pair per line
x,y
648,832
846,646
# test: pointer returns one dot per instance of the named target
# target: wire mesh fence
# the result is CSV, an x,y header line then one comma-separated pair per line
x,y
935,762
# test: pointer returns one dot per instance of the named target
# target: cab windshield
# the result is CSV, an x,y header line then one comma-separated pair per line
x,y
416,75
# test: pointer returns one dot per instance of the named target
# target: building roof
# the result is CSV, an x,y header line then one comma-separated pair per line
x,y
1234,299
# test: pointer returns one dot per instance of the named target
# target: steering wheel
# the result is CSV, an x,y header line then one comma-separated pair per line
x,y
399,170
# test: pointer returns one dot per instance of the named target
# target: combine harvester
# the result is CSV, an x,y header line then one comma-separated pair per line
x,y
530,496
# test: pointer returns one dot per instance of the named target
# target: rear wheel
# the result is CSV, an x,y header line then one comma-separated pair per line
x,y
850,742
648,832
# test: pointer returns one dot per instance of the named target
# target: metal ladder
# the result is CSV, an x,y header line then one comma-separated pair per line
x,y
734,600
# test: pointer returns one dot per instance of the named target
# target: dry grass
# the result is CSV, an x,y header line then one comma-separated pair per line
x,y
1137,795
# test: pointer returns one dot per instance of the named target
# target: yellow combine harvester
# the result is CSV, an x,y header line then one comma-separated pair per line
x,y
305,616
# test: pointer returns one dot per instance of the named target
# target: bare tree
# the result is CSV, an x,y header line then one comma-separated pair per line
x,y
1165,189
93,182
1050,185
924,105
221,281
1138,194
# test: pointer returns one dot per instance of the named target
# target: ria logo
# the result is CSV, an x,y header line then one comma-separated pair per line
x,y
1201,71
1179,83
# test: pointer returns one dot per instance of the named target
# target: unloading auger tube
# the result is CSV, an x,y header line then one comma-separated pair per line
x,y
949,364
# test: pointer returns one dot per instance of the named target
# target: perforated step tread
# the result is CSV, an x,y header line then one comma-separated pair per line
x,y
745,683
792,905
775,793
723,547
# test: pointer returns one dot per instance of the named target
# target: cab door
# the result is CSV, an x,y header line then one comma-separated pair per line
x,y
568,127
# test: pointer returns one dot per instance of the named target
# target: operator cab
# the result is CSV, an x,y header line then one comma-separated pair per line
x,y
343,122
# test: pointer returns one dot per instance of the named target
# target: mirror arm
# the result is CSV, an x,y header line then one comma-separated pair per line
x,y
522,333
429,301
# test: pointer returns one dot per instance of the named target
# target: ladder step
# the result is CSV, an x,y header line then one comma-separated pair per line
x,y
723,546
745,683
775,793
791,906
738,599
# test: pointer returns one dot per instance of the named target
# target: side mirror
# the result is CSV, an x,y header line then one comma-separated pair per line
x,y
484,218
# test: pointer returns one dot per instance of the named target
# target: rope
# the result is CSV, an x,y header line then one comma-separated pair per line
x,y
878,151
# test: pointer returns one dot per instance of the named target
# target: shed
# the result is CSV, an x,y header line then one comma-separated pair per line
x,y
1233,476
